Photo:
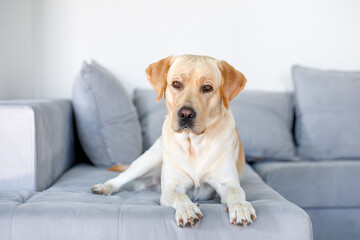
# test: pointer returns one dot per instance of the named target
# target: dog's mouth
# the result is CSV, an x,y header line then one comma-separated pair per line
x,y
187,128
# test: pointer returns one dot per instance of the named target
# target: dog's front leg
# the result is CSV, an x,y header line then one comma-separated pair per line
x,y
174,185
226,183
187,213
241,212
148,161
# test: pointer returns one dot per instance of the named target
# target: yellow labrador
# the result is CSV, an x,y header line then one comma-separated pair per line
x,y
199,150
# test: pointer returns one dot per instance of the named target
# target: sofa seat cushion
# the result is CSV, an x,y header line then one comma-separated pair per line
x,y
314,183
68,210
335,223
9,201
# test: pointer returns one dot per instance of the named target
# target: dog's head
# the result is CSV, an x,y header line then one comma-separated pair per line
x,y
196,89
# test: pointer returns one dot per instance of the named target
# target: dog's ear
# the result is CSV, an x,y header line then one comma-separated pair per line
x,y
232,82
157,74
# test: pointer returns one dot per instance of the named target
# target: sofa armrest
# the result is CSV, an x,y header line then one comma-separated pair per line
x,y
36,143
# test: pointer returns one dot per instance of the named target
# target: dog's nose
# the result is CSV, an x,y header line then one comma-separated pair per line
x,y
186,114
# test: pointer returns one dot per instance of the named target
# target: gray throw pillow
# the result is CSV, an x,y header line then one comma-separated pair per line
x,y
151,115
106,119
263,119
327,105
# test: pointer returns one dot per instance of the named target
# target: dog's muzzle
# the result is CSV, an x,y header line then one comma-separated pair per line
x,y
186,116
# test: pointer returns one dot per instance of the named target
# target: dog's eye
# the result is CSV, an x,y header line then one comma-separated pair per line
x,y
207,88
176,84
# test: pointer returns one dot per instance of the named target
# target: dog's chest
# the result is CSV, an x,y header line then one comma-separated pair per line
x,y
194,154
195,146
192,146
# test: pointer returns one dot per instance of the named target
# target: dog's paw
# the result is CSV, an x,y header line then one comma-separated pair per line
x,y
102,189
241,213
188,215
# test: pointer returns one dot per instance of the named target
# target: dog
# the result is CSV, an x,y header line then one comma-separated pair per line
x,y
199,153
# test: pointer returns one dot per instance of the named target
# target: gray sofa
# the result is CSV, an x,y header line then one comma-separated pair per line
x,y
328,191
45,177
52,200
326,182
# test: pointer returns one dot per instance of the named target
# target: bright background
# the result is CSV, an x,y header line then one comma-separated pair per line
x,y
43,42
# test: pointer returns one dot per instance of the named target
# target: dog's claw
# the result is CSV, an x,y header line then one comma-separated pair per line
x,y
190,222
241,213
188,215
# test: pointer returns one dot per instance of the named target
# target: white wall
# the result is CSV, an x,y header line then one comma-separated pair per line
x,y
263,39
16,49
